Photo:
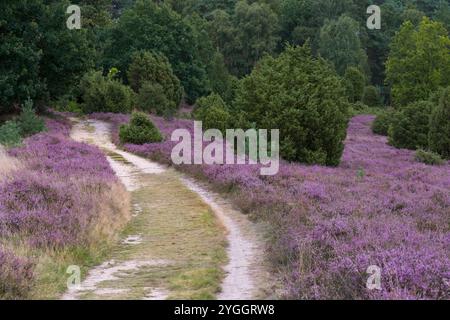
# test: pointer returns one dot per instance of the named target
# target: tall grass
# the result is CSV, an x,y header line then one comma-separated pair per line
x,y
7,164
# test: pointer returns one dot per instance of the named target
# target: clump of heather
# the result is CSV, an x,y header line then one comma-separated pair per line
x,y
16,275
380,207
63,196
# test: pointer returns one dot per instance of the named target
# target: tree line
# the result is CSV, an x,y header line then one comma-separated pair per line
x,y
155,54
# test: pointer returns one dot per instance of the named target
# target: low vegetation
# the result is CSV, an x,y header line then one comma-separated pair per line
x,y
341,214
409,127
302,97
49,221
213,112
151,76
140,130
27,123
10,134
429,157
105,94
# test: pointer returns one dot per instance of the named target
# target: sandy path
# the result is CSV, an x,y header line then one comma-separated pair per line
x,y
245,277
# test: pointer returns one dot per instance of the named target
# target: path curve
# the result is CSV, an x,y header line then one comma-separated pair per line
x,y
246,272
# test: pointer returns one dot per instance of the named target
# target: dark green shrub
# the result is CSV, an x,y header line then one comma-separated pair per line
x,y
304,98
103,94
10,134
439,135
359,108
155,71
93,92
382,122
67,103
410,126
119,98
429,157
28,122
212,111
151,98
140,130
355,82
371,96
74,107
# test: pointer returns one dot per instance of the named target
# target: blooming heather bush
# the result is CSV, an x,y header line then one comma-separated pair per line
x,y
45,207
331,224
16,275
65,196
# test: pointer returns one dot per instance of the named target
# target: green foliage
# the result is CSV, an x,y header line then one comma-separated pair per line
x,y
202,7
96,13
355,82
301,20
382,122
410,126
29,123
371,96
221,81
157,28
67,54
102,94
10,135
212,111
442,14
439,136
256,27
339,43
152,98
140,130
360,108
40,57
67,103
246,35
429,157
20,53
304,98
419,62
118,97
159,89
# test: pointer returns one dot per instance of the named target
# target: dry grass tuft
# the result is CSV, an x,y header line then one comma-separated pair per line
x,y
7,164
113,213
